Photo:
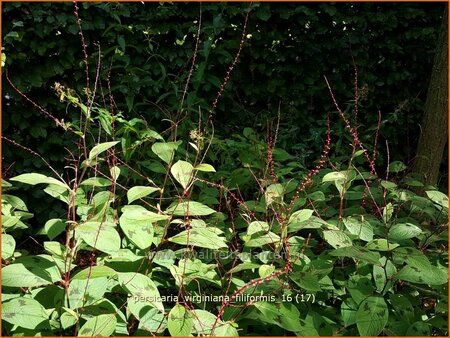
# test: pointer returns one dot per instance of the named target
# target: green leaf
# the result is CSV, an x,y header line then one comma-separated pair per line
x,y
244,266
258,239
397,166
205,167
83,292
438,197
8,246
284,315
137,224
201,237
403,231
100,148
194,269
419,329
387,212
180,321
358,253
360,228
190,208
300,216
142,288
203,322
257,226
265,270
99,235
138,192
102,325
381,245
274,193
53,228
165,151
337,238
34,179
96,271
182,172
383,275
24,312
226,330
31,271
372,316
97,182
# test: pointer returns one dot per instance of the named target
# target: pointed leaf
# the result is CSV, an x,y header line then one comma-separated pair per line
x,y
180,321
138,192
102,325
100,148
182,172
24,312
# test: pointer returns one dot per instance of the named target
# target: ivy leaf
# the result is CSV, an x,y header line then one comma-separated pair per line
x,y
138,192
34,178
182,172
201,237
372,316
24,312
180,321
190,208
100,148
100,235
102,325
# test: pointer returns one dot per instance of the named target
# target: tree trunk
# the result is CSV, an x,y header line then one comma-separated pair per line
x,y
434,131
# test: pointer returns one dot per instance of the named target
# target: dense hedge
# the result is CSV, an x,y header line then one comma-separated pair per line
x,y
288,50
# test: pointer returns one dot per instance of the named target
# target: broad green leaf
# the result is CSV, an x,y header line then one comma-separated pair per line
x,y
190,208
194,269
438,197
97,182
259,239
265,270
150,319
274,193
137,224
284,315
337,238
358,253
383,275
419,328
381,245
397,166
205,167
100,148
225,330
360,228
403,231
96,271
244,266
182,172
102,236
203,322
200,237
31,271
16,202
102,325
348,311
8,246
257,226
359,288
142,288
388,210
180,321
138,192
68,318
53,228
165,151
24,312
402,306
334,176
312,222
300,216
83,292
34,178
423,274
372,316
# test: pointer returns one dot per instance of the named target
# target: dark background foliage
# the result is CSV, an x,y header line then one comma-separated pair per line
x,y
291,47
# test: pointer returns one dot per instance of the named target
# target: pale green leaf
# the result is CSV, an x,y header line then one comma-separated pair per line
x,y
200,237
102,325
24,312
182,172
180,321
100,148
138,192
